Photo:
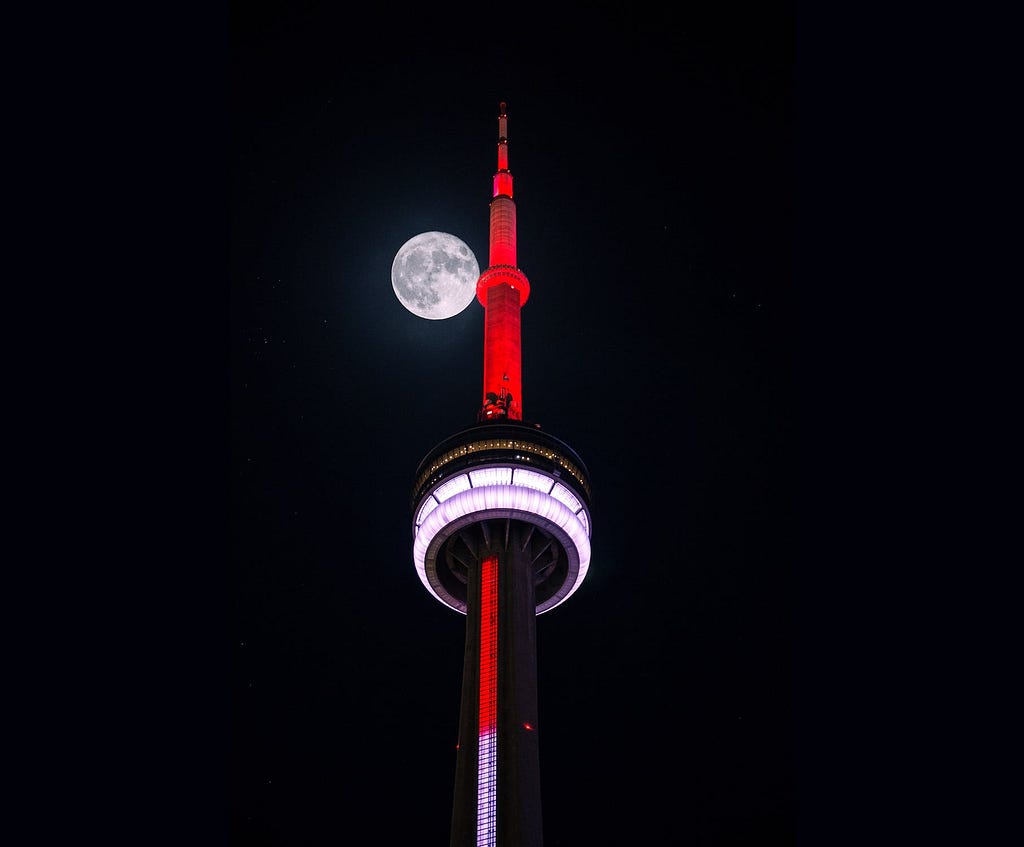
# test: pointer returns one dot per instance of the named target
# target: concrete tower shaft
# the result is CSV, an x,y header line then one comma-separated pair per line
x,y
501,533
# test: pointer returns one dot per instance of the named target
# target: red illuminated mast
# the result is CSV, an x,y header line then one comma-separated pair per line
x,y
502,290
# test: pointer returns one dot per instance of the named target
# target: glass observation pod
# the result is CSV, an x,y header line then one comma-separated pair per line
x,y
502,471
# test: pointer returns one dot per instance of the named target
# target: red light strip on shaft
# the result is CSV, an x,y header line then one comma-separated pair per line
x,y
487,756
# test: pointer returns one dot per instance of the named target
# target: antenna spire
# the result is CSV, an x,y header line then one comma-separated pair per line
x,y
503,178
502,289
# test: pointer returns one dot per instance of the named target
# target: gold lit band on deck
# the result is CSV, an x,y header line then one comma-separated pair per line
x,y
504,444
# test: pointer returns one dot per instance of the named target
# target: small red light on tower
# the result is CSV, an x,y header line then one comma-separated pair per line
x,y
528,726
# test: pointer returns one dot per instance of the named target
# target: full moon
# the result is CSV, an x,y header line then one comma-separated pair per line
x,y
434,275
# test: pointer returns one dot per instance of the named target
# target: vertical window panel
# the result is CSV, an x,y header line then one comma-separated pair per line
x,y
452,487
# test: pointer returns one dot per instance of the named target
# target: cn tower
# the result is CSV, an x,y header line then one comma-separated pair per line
x,y
501,529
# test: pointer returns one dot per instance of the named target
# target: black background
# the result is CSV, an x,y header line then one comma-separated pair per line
x,y
747,231
653,157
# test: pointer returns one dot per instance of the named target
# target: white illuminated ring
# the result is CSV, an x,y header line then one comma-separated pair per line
x,y
523,501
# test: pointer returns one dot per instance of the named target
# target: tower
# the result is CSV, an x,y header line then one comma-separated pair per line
x,y
501,533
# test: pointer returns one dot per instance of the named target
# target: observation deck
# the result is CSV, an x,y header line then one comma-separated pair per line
x,y
497,484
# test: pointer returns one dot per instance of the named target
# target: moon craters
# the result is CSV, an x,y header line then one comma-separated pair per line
x,y
434,275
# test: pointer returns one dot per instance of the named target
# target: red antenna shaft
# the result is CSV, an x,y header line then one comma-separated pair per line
x,y
502,290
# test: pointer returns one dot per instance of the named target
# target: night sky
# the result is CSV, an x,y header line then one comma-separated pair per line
x,y
653,157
